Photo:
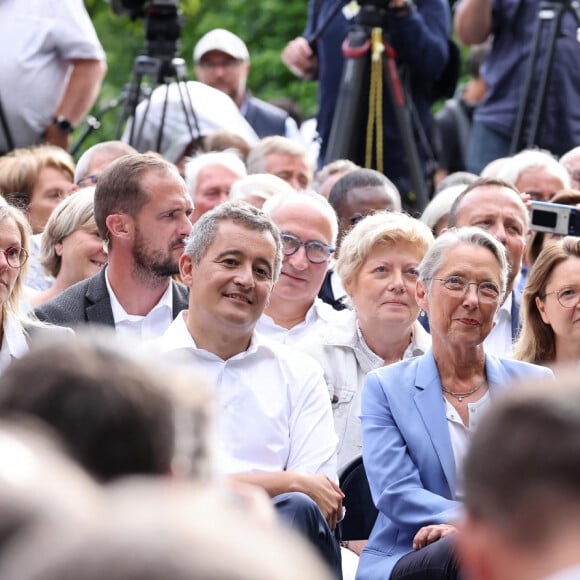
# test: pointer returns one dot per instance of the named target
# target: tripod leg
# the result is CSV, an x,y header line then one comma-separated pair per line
x,y
552,13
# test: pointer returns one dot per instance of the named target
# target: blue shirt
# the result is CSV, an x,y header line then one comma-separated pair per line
x,y
504,72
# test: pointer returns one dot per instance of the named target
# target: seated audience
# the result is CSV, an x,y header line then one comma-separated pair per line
x,y
536,173
308,226
436,215
223,140
36,180
326,177
98,157
71,248
418,414
142,211
258,188
550,333
378,265
284,158
209,177
358,193
276,428
522,487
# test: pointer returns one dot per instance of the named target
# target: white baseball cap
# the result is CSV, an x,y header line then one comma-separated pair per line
x,y
222,40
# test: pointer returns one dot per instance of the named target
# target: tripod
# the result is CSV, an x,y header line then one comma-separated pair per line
x,y
346,139
170,74
550,14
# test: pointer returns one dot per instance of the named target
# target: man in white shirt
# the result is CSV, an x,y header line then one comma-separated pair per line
x,y
309,228
497,207
142,211
276,424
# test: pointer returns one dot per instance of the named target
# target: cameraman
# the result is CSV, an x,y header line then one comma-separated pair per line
x,y
418,31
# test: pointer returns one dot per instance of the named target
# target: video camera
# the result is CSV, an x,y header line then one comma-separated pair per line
x,y
162,24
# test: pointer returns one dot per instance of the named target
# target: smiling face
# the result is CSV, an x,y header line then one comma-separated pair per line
x,y
383,291
162,225
230,286
9,238
51,187
81,253
565,322
461,319
300,280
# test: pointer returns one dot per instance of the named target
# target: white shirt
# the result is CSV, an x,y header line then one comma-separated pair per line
x,y
572,573
499,340
460,434
147,327
275,413
14,343
338,290
317,318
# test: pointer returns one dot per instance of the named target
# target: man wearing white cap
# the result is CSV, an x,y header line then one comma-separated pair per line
x,y
222,61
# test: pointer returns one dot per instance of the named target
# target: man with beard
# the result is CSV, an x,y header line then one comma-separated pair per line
x,y
142,211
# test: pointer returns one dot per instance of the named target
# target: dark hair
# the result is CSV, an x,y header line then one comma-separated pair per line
x,y
111,412
120,187
357,179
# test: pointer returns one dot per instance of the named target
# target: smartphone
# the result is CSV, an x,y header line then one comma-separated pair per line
x,y
554,218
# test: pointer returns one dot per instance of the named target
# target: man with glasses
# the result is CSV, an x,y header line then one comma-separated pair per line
x,y
497,207
222,61
309,229
276,429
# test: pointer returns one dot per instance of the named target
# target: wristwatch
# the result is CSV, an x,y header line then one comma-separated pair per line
x,y
63,125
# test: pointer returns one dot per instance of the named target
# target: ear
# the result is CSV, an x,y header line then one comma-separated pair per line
x,y
542,310
119,225
421,295
186,269
58,249
348,286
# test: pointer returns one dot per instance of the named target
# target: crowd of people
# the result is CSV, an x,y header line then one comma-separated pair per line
x,y
197,339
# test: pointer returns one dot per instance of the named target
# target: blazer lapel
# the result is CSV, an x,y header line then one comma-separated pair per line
x,y
98,309
431,407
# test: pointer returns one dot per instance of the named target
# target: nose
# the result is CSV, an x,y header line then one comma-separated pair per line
x,y
396,280
498,231
470,298
295,183
298,260
244,276
185,226
3,261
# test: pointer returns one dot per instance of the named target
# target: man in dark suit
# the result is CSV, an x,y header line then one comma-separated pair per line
x,y
142,211
222,61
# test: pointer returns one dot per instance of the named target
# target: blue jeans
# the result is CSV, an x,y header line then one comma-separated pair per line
x,y
485,145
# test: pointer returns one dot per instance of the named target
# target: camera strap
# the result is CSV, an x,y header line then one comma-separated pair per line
x,y
6,129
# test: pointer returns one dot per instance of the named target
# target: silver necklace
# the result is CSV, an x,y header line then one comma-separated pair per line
x,y
461,396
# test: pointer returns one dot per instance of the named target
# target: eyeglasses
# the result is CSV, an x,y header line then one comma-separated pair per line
x,y
227,64
486,291
15,257
316,252
567,297
92,179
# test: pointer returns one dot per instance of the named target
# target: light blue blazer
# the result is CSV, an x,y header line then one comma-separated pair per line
x,y
408,455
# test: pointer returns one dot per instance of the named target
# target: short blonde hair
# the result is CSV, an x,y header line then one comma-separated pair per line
x,y
73,213
261,185
384,227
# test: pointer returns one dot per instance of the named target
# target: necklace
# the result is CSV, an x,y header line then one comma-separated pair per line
x,y
461,396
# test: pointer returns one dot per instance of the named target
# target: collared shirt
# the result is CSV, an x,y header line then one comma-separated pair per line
x,y
338,290
148,327
499,340
14,343
460,434
275,414
317,318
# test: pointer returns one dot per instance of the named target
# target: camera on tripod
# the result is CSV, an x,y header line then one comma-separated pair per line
x,y
163,23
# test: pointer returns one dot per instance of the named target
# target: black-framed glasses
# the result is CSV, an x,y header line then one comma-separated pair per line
x,y
486,291
316,252
92,179
567,297
15,257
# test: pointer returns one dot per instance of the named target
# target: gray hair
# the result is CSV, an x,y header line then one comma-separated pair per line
x,y
109,150
227,159
532,159
262,185
256,161
436,255
440,206
73,213
307,198
241,213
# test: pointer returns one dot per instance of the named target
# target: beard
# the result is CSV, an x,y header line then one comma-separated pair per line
x,y
156,263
